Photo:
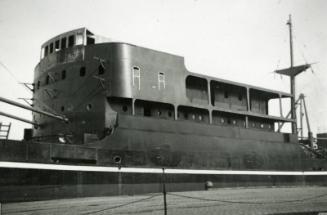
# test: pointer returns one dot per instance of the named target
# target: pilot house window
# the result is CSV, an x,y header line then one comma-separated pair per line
x,y
57,47
46,51
51,48
63,42
71,40
79,39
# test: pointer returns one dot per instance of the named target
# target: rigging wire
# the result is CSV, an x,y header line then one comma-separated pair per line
x,y
248,202
308,85
317,92
122,205
12,75
9,72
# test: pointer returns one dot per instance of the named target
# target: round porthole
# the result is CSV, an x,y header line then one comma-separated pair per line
x,y
88,107
117,159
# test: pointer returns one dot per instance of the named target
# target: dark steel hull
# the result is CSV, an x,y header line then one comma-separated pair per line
x,y
21,184
191,153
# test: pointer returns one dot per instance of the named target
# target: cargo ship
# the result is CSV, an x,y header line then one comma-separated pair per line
x,y
112,118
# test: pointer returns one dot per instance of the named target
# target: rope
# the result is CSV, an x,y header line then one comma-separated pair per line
x,y
12,75
9,72
248,202
122,205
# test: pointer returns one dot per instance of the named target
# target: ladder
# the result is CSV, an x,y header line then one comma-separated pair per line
x,y
4,130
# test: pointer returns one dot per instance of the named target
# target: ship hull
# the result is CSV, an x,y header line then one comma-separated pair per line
x,y
130,162
32,181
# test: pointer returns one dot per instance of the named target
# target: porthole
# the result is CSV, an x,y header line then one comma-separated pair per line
x,y
88,107
117,159
124,108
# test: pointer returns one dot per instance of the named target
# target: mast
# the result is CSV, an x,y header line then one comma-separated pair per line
x,y
292,78
292,72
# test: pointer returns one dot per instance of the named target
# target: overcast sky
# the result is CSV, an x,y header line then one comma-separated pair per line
x,y
241,40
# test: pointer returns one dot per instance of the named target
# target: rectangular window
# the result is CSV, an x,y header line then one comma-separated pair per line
x,y
46,51
136,72
71,40
161,81
63,43
51,48
79,39
42,52
57,47
90,41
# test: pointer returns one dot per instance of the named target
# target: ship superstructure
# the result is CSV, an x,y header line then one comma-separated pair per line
x,y
91,84
108,116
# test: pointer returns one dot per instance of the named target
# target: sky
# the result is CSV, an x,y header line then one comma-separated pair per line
x,y
239,40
